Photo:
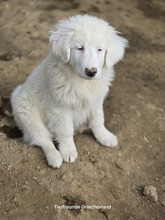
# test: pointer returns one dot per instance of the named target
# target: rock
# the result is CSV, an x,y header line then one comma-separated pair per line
x,y
150,192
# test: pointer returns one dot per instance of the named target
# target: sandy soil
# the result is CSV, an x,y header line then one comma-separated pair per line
x,y
123,178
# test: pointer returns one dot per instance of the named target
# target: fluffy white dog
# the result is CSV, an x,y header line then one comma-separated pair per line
x,y
66,91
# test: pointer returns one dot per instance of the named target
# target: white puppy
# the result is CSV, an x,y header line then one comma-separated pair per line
x,y
67,90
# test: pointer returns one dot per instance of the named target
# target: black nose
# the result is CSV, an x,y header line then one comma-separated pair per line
x,y
90,72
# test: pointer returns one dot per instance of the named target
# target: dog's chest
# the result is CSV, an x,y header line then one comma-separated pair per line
x,y
81,94
80,97
81,117
86,100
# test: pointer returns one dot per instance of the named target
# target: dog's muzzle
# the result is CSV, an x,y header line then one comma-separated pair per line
x,y
90,72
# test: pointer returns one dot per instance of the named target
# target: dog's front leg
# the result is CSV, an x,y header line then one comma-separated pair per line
x,y
63,131
97,126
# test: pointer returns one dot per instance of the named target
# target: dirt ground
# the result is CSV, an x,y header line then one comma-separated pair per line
x,y
130,178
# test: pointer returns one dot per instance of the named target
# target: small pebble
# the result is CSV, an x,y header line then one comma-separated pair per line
x,y
92,159
150,192
34,178
40,184
38,167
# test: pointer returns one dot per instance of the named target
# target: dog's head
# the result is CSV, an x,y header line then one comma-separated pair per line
x,y
87,43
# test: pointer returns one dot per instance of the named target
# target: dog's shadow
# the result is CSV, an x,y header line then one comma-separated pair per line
x,y
7,123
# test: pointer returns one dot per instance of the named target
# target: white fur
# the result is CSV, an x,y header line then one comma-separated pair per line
x,y
59,97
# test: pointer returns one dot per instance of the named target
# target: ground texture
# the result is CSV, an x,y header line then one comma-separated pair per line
x,y
129,178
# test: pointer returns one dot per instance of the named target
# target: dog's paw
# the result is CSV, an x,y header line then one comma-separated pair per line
x,y
109,140
54,159
106,138
68,153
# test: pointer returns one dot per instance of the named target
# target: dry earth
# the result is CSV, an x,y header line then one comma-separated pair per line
x,y
123,178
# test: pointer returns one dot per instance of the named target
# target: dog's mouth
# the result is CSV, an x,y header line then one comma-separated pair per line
x,y
89,78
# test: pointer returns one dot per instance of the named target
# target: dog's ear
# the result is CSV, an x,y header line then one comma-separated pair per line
x,y
116,47
60,39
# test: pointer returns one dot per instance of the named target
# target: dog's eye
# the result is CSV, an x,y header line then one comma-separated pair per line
x,y
100,50
80,48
